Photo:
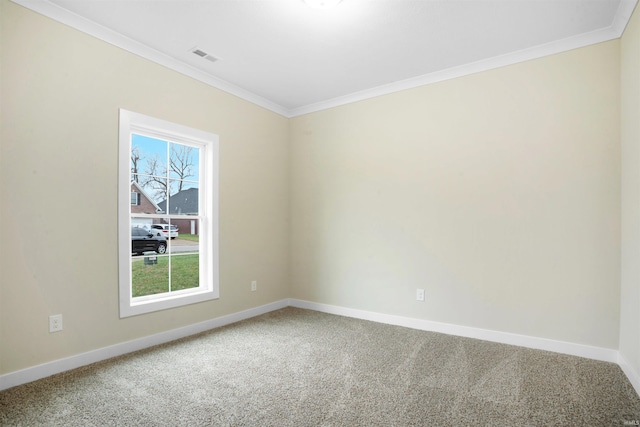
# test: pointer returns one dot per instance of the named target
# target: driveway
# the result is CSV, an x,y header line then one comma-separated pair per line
x,y
178,245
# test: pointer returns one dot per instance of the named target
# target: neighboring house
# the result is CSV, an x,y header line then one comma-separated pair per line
x,y
142,203
184,202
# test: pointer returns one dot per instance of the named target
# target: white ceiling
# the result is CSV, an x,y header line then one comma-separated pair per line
x,y
293,59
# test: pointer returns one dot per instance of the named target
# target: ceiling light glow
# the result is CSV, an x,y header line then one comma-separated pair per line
x,y
322,4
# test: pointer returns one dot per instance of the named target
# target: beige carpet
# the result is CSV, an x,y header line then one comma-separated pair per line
x,y
297,367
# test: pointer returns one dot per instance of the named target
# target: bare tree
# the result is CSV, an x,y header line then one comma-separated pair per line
x,y
181,162
135,160
155,177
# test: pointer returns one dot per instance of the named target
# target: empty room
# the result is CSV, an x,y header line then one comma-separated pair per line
x,y
304,213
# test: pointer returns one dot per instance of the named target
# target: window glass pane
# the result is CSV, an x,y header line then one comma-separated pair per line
x,y
149,171
153,195
148,156
162,228
149,274
184,198
149,269
145,198
185,271
141,222
186,232
143,239
185,162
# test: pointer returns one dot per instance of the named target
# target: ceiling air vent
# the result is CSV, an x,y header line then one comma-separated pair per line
x,y
201,53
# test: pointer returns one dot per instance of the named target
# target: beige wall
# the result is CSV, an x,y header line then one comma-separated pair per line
x,y
498,193
61,91
630,284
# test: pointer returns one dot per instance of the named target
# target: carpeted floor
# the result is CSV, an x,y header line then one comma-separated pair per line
x,y
297,367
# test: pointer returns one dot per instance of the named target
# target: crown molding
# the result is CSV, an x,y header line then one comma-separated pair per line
x,y
612,32
57,13
623,16
615,30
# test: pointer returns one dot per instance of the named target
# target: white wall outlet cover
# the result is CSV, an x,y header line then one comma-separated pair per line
x,y
55,323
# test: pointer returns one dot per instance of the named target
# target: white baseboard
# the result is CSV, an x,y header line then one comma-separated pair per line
x,y
589,352
633,376
50,368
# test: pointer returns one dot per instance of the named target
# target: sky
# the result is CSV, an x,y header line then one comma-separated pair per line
x,y
152,148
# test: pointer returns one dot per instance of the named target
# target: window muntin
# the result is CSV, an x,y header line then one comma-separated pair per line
x,y
175,168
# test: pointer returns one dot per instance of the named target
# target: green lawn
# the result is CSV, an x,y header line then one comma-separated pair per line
x,y
154,279
190,237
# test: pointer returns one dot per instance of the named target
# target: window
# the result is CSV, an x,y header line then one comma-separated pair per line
x,y
135,199
168,250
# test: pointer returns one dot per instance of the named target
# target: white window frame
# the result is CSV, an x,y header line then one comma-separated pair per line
x,y
135,123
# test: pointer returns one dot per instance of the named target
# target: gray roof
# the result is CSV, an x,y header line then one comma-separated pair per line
x,y
184,202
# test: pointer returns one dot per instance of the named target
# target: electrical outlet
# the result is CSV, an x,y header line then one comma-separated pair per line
x,y
55,323
420,294
254,285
